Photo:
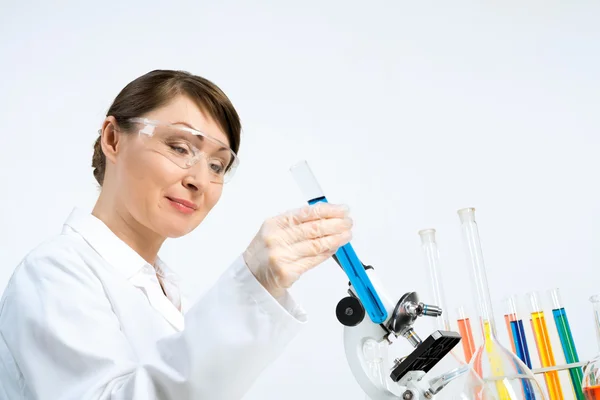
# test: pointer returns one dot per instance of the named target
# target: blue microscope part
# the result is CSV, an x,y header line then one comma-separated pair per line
x,y
358,277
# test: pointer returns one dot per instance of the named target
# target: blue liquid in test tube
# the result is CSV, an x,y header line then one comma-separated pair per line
x,y
346,255
518,332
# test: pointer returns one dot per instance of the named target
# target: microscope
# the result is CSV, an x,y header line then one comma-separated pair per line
x,y
407,377
371,320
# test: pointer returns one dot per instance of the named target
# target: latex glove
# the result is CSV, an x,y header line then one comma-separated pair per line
x,y
294,242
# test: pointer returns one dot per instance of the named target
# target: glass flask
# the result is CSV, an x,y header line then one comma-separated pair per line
x,y
591,376
504,375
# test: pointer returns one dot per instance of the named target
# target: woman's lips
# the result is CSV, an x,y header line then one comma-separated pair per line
x,y
184,206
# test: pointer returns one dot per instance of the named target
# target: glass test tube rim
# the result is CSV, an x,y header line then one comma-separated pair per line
x,y
306,180
556,298
595,300
510,309
466,212
535,304
462,312
516,305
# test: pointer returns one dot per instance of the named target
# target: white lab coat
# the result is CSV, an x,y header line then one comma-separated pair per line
x,y
84,317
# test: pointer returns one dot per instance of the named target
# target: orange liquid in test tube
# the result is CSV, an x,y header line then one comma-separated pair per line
x,y
464,328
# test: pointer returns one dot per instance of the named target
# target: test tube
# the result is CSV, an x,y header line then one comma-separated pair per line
x,y
466,332
567,342
508,318
307,182
430,250
494,352
516,330
346,255
544,346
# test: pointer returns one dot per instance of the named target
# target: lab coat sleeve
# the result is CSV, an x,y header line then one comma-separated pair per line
x,y
243,328
67,341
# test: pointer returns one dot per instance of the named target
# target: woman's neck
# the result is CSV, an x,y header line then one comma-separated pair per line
x,y
141,239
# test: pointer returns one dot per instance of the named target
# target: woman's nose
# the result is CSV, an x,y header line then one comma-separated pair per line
x,y
197,177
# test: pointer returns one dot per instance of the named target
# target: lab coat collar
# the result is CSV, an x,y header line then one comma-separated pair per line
x,y
110,247
128,263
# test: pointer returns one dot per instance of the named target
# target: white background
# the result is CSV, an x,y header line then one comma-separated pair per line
x,y
405,111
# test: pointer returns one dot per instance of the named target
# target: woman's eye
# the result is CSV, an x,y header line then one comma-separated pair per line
x,y
183,150
217,166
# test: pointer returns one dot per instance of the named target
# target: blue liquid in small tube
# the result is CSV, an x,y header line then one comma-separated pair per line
x,y
520,341
518,333
359,278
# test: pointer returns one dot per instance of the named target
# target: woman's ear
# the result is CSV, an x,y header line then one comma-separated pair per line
x,y
110,139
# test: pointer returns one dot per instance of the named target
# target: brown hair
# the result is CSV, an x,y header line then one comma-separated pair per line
x,y
158,87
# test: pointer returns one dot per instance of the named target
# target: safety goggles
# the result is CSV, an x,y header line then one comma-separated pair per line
x,y
186,146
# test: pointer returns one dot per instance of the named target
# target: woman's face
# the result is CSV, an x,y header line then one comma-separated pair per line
x,y
152,188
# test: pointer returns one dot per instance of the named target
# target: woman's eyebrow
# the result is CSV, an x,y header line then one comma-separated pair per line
x,y
201,138
186,124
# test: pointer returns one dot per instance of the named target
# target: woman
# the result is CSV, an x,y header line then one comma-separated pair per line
x,y
93,313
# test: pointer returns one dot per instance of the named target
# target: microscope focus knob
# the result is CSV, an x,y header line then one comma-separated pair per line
x,y
349,311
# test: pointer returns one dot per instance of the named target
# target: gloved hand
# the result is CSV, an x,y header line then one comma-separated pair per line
x,y
294,242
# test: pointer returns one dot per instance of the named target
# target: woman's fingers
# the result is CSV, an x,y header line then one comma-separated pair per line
x,y
325,245
316,229
309,222
290,244
308,263
314,212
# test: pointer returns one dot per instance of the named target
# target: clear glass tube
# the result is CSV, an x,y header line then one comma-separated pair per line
x,y
516,329
510,316
502,371
595,300
306,181
453,365
346,256
591,377
471,240
566,340
466,332
544,346
432,258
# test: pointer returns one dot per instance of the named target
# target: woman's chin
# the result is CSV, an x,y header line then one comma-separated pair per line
x,y
172,230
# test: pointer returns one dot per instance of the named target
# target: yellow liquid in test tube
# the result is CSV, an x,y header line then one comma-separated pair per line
x,y
495,360
544,347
